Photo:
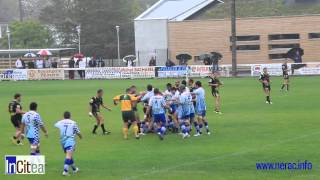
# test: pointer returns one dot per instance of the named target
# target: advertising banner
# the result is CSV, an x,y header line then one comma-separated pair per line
x,y
14,74
46,74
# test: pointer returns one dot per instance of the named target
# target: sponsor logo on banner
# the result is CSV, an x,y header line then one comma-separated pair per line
x,y
46,74
276,69
14,74
120,72
175,71
24,164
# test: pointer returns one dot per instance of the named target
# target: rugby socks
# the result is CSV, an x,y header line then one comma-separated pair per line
x,y
268,98
200,127
37,152
287,87
196,125
95,127
283,85
207,126
67,163
162,130
125,133
73,166
135,130
102,127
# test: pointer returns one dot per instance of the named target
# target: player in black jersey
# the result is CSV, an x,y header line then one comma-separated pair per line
x,y
94,110
285,74
215,84
265,80
15,110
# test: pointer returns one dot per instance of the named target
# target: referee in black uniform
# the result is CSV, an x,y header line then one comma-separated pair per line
x,y
15,110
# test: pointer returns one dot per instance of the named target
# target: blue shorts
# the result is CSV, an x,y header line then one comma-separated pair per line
x,y
192,115
34,141
159,118
202,113
174,108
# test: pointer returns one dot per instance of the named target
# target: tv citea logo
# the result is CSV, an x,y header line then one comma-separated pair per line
x,y
24,164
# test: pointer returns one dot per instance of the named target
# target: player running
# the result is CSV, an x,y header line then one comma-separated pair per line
x,y
215,84
68,131
32,123
94,110
265,80
15,110
285,74
128,117
157,106
201,109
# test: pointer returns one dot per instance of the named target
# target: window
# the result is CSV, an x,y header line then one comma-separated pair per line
x,y
314,35
247,48
282,46
247,38
283,36
277,56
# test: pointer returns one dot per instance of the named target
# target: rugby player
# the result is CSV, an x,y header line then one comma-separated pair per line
x,y
265,80
201,109
127,100
157,106
68,131
94,110
184,110
215,84
285,74
31,124
15,110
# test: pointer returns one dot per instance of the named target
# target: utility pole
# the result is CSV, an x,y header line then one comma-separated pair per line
x,y
118,39
234,37
21,10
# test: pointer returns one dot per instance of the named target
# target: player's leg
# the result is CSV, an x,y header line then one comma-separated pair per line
x,y
125,128
69,162
218,103
287,83
135,127
186,128
205,122
95,127
101,120
196,123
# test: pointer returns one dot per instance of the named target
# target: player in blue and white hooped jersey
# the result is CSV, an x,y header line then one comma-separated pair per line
x,y
31,125
68,131
201,109
157,107
184,111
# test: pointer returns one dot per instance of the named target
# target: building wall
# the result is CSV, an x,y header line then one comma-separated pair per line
x,y
203,36
151,40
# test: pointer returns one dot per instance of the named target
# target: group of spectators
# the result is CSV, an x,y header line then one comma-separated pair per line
x,y
36,64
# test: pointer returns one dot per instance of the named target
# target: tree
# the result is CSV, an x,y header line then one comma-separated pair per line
x,y
29,34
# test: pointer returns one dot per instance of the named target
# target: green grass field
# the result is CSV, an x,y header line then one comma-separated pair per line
x,y
249,131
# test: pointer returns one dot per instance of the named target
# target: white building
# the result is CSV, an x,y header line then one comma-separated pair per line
x,y
151,27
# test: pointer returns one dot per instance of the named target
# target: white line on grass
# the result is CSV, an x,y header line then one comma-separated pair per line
x,y
153,171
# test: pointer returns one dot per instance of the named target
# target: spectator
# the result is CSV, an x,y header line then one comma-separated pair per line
x,y
39,64
19,64
82,65
71,65
92,63
47,63
169,63
152,62
31,64
54,63
23,64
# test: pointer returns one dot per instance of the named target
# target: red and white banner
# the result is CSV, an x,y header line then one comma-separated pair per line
x,y
120,72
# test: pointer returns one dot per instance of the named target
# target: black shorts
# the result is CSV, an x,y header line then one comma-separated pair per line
x,y
134,109
128,116
285,76
95,113
16,121
215,93
266,86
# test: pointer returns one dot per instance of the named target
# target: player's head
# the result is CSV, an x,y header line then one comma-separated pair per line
x,y
156,91
100,92
173,89
128,90
17,97
198,84
190,82
265,70
182,88
184,82
169,86
67,115
177,84
149,87
33,106
133,89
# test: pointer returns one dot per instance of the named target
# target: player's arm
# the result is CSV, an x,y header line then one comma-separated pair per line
x,y
77,131
19,111
90,108
42,126
116,100
106,107
149,106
